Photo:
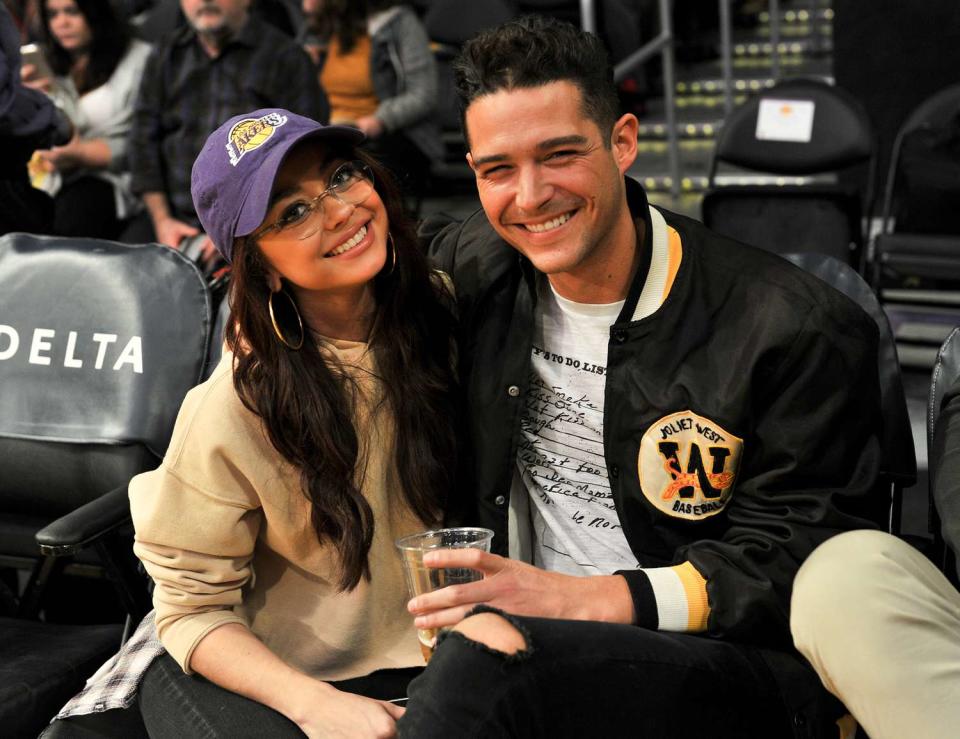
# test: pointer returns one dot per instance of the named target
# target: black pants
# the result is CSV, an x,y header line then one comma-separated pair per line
x,y
587,679
23,208
86,206
179,706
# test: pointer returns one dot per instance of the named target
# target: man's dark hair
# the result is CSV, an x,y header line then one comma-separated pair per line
x,y
536,50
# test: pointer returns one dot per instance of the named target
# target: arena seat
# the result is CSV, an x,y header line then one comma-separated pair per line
x,y
921,233
899,466
449,24
99,342
784,215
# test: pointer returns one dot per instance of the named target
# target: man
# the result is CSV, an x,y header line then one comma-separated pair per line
x,y
895,664
219,65
660,420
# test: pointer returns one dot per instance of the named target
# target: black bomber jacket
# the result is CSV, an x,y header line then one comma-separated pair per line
x,y
742,415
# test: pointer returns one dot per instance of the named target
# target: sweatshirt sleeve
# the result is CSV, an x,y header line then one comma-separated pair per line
x,y
418,98
125,85
197,518
145,139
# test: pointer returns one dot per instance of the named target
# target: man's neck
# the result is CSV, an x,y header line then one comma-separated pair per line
x,y
607,278
214,43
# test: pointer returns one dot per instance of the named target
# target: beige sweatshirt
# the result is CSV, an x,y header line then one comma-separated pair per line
x,y
223,528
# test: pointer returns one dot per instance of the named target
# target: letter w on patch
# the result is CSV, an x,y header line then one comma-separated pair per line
x,y
697,464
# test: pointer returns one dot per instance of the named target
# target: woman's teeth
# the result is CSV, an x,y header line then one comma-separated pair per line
x,y
549,225
348,245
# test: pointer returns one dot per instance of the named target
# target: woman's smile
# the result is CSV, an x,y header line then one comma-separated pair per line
x,y
355,244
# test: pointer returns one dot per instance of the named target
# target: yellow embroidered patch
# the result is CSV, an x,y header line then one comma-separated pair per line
x,y
250,133
688,465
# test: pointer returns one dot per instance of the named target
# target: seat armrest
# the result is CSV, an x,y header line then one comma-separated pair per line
x,y
86,524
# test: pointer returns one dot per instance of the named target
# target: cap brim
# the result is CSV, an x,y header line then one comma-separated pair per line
x,y
256,200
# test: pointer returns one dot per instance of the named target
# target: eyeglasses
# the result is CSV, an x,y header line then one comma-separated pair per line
x,y
351,184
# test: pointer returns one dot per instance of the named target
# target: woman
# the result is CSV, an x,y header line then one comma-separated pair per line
x,y
325,433
97,68
381,77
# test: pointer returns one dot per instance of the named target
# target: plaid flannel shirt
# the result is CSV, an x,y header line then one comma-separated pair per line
x,y
185,94
115,684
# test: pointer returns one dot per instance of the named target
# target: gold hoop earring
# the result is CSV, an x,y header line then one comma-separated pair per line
x,y
393,255
276,325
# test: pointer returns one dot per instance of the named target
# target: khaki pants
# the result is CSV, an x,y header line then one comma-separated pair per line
x,y
881,626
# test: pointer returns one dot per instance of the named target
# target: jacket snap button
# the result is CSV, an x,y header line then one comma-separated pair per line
x,y
513,391
614,471
619,336
799,719
499,500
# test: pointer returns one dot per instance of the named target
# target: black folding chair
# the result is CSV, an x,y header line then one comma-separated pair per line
x,y
899,464
823,216
99,342
449,24
921,231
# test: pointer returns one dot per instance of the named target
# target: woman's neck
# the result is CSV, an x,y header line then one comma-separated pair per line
x,y
343,315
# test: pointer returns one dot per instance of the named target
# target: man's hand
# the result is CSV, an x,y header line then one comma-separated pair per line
x,y
521,589
171,232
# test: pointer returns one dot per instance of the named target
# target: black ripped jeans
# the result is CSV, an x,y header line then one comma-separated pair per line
x,y
588,679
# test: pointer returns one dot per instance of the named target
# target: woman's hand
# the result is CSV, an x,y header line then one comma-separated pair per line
x,y
77,153
329,713
30,78
66,157
233,658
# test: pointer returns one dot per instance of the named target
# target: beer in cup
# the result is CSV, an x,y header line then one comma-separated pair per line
x,y
423,579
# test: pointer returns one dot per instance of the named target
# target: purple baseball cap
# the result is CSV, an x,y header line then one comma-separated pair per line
x,y
233,175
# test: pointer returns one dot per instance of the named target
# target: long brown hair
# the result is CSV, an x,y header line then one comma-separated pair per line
x,y
110,39
305,403
344,20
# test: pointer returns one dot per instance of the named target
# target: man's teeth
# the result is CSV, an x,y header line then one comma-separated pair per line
x,y
348,245
549,225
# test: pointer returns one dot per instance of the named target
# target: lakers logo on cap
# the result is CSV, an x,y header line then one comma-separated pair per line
x,y
251,133
688,465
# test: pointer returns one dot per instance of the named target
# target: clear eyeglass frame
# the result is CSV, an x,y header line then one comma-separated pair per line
x,y
351,184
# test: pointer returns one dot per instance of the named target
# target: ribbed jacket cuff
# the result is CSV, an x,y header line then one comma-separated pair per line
x,y
669,598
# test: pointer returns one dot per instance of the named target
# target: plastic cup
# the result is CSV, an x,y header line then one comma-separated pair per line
x,y
423,579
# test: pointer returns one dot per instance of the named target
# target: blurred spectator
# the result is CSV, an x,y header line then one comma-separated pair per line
x,y
26,18
220,65
381,77
157,18
97,68
28,120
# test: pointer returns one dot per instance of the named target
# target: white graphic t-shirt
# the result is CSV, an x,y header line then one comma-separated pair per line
x,y
560,457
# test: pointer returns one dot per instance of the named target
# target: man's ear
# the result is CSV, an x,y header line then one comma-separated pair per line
x,y
623,141
470,162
